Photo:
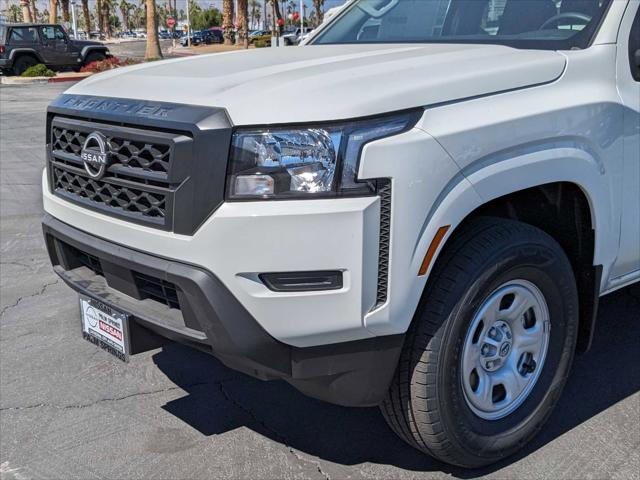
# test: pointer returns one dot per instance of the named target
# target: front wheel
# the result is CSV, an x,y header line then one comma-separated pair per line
x,y
490,347
94,57
21,64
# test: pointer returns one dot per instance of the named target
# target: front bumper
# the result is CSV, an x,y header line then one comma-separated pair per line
x,y
210,318
242,240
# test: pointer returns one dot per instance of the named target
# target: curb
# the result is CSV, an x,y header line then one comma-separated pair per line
x,y
40,80
74,78
178,53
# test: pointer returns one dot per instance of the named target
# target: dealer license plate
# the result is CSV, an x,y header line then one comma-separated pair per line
x,y
105,327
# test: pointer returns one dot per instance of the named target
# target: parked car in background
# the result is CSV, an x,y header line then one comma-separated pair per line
x,y
25,45
263,36
206,37
294,38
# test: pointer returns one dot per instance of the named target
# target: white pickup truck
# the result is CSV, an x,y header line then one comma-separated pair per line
x,y
418,209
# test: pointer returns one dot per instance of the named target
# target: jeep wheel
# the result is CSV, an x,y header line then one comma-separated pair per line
x,y
94,57
490,347
22,63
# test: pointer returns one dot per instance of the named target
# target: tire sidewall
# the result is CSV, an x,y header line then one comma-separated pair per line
x,y
548,269
21,64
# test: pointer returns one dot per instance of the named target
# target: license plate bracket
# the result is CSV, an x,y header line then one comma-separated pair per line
x,y
105,327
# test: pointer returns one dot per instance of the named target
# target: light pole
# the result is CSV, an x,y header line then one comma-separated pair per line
x,y
73,19
301,18
188,27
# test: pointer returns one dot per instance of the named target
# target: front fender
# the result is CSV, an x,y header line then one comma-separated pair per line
x,y
430,191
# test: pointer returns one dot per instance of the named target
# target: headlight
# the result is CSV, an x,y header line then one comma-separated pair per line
x,y
306,162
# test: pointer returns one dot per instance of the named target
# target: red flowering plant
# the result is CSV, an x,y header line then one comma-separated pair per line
x,y
107,64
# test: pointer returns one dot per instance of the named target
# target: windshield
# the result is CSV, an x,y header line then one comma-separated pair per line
x,y
546,24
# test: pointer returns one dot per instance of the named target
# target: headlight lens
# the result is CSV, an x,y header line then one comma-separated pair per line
x,y
305,162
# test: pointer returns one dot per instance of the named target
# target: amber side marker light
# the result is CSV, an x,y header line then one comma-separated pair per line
x,y
433,248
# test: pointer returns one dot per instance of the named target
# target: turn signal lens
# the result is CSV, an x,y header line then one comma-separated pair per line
x,y
254,185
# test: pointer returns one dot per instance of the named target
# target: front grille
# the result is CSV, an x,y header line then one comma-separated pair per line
x,y
133,201
166,162
138,183
146,286
86,259
157,289
128,153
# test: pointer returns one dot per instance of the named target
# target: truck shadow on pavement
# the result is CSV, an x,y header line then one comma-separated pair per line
x,y
220,400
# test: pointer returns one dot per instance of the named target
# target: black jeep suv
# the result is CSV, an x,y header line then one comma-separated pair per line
x,y
26,44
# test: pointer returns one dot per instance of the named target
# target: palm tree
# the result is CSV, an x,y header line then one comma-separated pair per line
x,y
13,13
87,16
65,10
34,11
153,43
125,8
98,16
26,12
254,7
243,23
278,16
105,14
227,21
319,4
53,11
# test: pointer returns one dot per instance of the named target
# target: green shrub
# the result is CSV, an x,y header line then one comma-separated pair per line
x,y
39,70
260,44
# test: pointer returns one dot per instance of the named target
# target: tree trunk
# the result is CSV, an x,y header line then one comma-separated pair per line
x,y
34,11
53,11
105,14
153,43
227,21
26,11
125,17
276,4
243,23
87,16
99,15
319,13
65,10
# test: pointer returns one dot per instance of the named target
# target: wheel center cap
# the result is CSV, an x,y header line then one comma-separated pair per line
x,y
505,349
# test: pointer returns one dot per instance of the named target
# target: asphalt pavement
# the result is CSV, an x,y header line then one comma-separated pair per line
x,y
69,410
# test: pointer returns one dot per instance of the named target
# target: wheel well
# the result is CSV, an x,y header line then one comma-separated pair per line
x,y
26,54
562,211
91,51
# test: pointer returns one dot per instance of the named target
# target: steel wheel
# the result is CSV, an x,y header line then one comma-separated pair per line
x,y
505,349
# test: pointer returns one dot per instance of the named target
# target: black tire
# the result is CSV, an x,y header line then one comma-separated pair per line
x,y
22,63
94,57
426,405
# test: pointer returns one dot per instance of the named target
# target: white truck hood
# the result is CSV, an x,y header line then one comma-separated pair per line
x,y
317,83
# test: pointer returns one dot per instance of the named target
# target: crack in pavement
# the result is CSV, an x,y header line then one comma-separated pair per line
x,y
24,297
101,400
280,437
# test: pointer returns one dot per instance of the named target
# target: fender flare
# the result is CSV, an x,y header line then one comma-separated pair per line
x,y
493,177
531,167
92,48
20,51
